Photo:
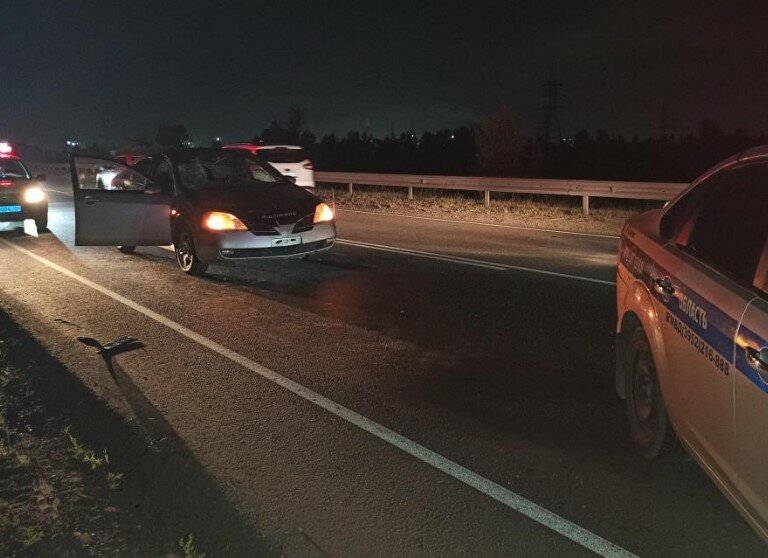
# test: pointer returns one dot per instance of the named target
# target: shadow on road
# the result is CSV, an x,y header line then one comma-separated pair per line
x,y
166,492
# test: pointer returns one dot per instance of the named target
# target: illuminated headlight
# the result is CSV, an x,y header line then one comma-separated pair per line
x,y
34,195
219,221
323,213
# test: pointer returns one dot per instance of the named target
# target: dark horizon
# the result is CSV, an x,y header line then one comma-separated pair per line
x,y
104,72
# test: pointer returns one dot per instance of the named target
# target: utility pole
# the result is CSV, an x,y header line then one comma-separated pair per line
x,y
551,99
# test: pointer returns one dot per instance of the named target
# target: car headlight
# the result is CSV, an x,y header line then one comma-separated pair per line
x,y
323,213
34,195
220,221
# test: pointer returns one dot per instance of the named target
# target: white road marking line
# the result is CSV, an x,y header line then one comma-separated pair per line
x,y
512,500
458,259
462,222
469,261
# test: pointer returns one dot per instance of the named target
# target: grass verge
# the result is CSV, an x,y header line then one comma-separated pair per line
x,y
607,216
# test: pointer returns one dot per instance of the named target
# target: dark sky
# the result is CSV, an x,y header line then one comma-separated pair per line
x,y
99,71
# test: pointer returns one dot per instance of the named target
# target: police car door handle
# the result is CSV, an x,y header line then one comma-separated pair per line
x,y
665,286
758,360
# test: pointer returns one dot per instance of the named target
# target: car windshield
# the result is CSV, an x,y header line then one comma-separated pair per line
x,y
12,168
219,169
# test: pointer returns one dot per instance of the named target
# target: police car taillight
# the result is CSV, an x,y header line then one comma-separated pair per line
x,y
6,148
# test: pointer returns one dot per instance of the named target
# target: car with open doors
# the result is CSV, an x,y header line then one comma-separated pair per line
x,y
692,347
211,204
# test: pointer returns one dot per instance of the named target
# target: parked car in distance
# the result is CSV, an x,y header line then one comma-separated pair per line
x,y
290,160
692,347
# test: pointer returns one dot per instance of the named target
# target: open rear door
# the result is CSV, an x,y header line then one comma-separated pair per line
x,y
115,205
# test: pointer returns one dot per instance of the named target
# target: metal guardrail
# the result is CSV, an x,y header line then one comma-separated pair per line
x,y
538,186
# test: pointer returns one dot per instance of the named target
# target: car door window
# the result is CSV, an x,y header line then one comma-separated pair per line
x,y
729,229
100,174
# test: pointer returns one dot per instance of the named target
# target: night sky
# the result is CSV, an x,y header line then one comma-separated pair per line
x,y
101,71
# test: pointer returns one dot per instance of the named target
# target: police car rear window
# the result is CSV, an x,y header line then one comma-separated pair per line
x,y
730,228
12,168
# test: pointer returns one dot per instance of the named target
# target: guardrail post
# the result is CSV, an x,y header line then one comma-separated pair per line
x,y
487,197
585,205
410,192
350,188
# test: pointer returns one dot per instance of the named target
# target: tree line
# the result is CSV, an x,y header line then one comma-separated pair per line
x,y
494,147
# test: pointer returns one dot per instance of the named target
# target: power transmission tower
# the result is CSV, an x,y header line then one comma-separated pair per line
x,y
552,98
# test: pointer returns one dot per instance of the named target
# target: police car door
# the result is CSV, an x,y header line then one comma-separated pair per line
x,y
751,400
130,211
709,285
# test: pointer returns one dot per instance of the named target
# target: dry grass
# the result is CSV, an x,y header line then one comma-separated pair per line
x,y
545,212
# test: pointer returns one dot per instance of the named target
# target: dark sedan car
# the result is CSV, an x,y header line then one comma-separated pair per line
x,y
211,204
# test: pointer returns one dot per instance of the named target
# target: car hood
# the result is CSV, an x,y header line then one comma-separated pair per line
x,y
285,202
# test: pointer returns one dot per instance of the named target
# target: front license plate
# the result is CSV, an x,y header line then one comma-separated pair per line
x,y
286,241
10,209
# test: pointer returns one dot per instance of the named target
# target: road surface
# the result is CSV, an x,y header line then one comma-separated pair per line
x,y
428,388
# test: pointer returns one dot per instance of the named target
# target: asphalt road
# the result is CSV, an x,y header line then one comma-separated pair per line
x,y
426,389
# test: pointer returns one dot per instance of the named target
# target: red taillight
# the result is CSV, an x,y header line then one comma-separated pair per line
x,y
6,148
5,183
308,165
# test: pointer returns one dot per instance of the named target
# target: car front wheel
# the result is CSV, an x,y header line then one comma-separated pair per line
x,y
41,222
648,420
186,255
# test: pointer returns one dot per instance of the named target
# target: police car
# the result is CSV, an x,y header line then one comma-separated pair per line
x,y
692,348
21,196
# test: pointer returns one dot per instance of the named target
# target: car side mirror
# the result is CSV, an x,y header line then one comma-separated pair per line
x,y
291,179
40,177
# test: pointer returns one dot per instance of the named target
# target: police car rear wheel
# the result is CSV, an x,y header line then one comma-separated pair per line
x,y
648,420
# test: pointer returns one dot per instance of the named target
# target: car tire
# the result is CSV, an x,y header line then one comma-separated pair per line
x,y
127,249
186,255
649,422
41,223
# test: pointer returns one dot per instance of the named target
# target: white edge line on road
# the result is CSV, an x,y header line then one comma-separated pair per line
x,y
512,500
469,261
463,222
